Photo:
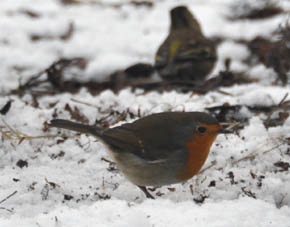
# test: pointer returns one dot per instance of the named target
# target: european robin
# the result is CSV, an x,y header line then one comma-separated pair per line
x,y
159,149
186,54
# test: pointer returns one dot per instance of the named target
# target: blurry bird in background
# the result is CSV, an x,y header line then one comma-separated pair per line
x,y
186,54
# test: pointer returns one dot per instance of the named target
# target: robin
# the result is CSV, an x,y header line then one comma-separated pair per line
x,y
159,149
186,54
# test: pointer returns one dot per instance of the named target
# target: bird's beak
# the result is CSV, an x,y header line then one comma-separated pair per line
x,y
227,128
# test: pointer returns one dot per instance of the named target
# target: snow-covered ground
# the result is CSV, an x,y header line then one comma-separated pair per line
x,y
67,182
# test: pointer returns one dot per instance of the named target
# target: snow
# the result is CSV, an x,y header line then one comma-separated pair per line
x,y
249,192
117,213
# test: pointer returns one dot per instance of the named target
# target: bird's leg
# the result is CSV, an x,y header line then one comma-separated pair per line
x,y
148,195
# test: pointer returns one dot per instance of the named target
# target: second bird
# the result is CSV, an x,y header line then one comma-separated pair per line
x,y
186,54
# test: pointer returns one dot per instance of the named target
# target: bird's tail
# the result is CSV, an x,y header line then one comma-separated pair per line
x,y
65,124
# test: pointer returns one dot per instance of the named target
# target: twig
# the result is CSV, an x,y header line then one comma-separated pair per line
x,y
12,130
248,156
277,146
224,92
27,137
3,208
283,99
33,81
255,152
3,200
230,125
9,196
85,103
22,136
280,105
213,163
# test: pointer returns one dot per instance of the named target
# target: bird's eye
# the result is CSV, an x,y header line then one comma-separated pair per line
x,y
201,129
